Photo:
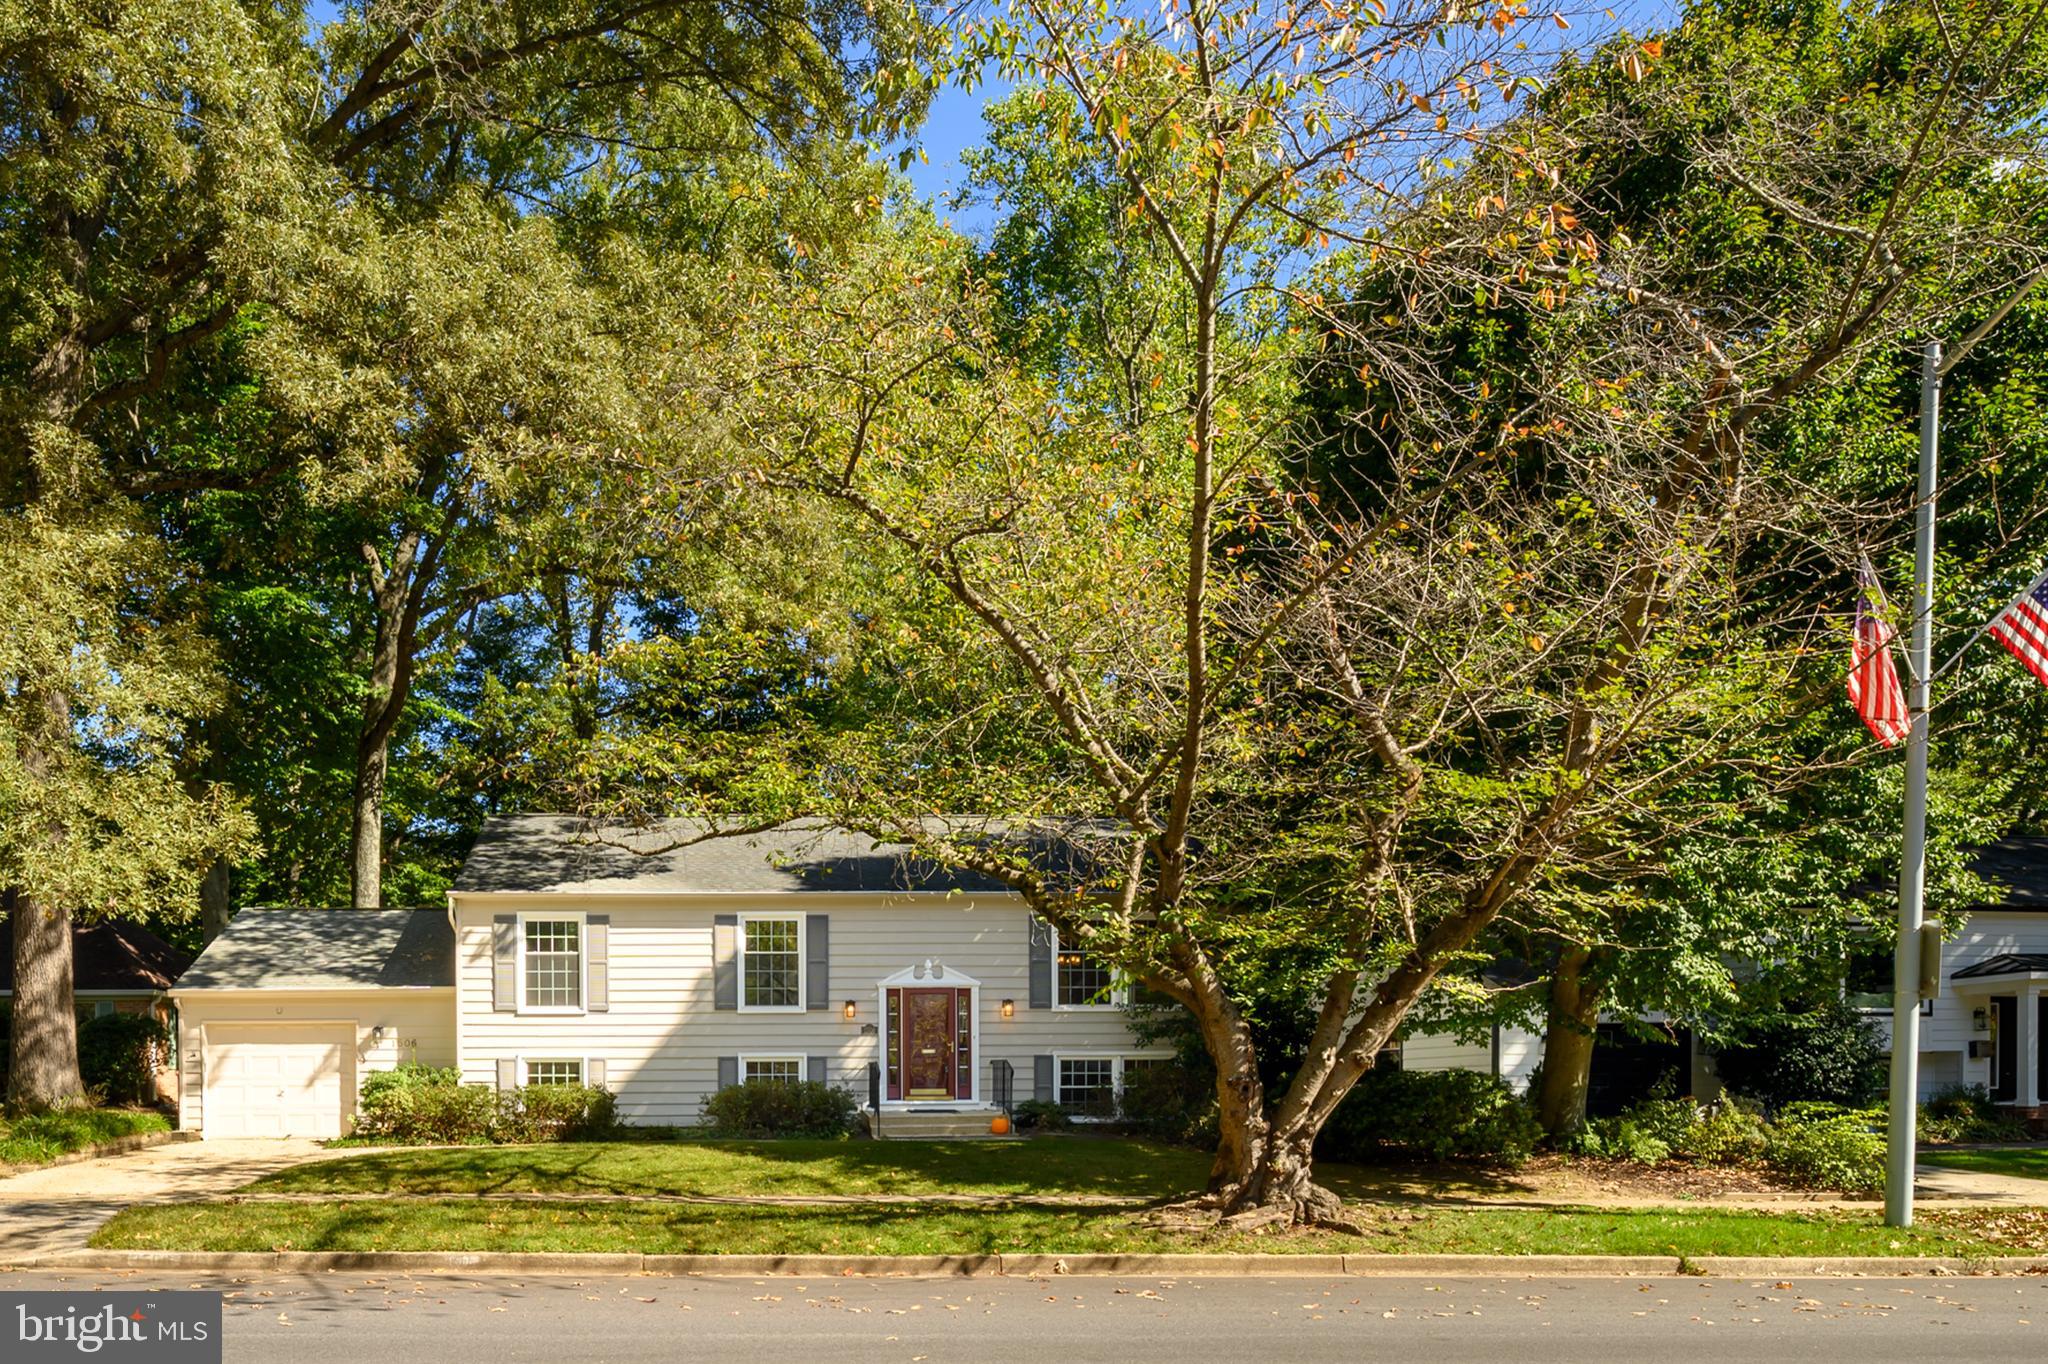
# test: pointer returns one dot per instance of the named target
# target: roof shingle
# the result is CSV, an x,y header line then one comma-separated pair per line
x,y
327,949
567,853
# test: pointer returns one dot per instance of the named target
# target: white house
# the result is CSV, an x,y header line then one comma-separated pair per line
x,y
1985,1028
662,970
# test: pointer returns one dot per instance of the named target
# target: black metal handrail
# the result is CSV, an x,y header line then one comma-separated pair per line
x,y
875,1097
1003,1085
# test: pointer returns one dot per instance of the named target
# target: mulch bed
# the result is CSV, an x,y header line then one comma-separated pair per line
x,y
1668,1179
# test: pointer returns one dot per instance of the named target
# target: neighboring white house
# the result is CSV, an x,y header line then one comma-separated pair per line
x,y
1986,1028
662,974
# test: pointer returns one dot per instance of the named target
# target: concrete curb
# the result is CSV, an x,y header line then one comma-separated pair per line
x,y
1021,1266
119,1146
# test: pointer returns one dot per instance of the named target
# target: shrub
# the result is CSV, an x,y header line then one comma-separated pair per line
x,y
1663,1120
1826,1146
1042,1115
1724,1133
1966,1113
780,1108
423,1105
120,1054
1621,1137
1433,1114
417,1104
1829,1054
1169,1103
535,1113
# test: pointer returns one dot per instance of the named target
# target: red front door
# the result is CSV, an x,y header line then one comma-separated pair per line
x,y
928,1044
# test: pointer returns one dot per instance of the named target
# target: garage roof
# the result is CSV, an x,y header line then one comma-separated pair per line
x,y
567,853
327,949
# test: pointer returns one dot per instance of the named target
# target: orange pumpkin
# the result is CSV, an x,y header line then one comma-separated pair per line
x,y
1000,1125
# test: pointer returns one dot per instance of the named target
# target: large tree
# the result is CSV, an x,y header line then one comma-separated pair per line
x,y
1356,693
170,166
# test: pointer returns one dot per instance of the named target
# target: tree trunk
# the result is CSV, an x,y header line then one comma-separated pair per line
x,y
398,593
1568,1038
43,1052
214,907
366,831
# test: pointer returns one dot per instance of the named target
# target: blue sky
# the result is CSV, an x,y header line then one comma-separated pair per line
x,y
955,122
953,126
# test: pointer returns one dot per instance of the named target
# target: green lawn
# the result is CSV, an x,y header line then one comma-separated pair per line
x,y
435,1210
1069,1165
42,1137
471,1225
2029,1162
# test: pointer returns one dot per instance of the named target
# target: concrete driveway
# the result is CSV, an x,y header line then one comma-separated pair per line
x,y
59,1207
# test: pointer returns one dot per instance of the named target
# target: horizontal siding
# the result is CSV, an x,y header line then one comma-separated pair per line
x,y
1945,1029
416,1027
1442,1051
662,1037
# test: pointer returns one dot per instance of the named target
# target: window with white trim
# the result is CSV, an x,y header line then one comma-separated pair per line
x,y
552,963
1087,1085
554,1072
771,962
1093,1086
1082,979
776,1069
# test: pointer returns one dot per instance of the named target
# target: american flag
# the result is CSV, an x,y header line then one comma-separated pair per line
x,y
2023,628
1873,682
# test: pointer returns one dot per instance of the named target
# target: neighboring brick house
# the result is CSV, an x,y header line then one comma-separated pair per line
x,y
116,966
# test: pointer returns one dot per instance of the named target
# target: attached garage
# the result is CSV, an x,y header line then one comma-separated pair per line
x,y
279,1079
286,1011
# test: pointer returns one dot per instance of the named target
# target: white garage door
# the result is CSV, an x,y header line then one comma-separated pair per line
x,y
275,1080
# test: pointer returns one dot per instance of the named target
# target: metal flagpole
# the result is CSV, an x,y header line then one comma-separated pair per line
x,y
1905,1088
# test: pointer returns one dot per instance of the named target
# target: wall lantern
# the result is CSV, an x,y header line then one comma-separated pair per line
x,y
1009,1008
1980,1021
849,1010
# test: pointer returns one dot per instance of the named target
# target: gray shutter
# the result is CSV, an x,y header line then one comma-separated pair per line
x,y
505,963
1041,963
1041,1079
725,963
597,963
728,1071
508,1074
817,961
593,1072
814,1069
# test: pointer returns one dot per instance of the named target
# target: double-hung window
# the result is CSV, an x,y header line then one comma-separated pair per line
x,y
554,1072
1082,979
772,962
1093,1086
1088,1085
551,969
777,1069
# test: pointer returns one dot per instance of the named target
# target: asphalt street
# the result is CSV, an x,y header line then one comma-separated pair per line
x,y
397,1319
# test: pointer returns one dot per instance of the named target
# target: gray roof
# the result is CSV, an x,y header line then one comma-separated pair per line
x,y
327,949
2019,866
567,853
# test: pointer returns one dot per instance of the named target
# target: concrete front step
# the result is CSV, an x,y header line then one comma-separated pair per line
x,y
970,1125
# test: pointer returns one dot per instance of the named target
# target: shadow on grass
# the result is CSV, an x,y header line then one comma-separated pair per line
x,y
1127,1169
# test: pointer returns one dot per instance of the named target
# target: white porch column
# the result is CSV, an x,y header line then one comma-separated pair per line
x,y
2028,1051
